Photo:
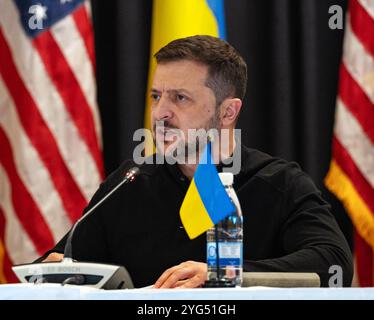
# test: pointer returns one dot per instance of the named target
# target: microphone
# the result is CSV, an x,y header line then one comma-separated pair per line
x,y
67,271
129,176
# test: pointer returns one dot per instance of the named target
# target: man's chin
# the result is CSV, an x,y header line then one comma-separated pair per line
x,y
166,149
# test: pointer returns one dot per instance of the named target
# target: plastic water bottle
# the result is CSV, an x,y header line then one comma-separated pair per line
x,y
230,241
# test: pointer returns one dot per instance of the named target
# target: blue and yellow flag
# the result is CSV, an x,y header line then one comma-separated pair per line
x,y
206,201
173,19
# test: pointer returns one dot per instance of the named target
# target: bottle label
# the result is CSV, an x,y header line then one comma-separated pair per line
x,y
230,254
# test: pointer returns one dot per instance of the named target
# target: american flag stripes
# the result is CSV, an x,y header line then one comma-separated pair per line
x,y
50,136
351,174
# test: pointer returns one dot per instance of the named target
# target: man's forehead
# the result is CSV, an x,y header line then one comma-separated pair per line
x,y
177,75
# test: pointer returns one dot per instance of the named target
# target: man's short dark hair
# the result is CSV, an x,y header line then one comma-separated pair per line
x,y
227,71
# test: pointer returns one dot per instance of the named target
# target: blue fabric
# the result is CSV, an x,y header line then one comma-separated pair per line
x,y
218,8
212,193
55,11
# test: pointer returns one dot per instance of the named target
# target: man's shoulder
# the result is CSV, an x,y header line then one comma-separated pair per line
x,y
275,171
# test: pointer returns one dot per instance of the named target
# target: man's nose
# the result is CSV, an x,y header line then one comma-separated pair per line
x,y
163,110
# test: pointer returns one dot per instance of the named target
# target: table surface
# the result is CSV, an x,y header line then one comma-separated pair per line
x,y
56,291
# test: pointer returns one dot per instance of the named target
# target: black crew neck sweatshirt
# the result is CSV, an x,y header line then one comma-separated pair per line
x,y
287,225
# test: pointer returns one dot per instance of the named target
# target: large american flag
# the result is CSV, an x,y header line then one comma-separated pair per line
x,y
351,174
50,145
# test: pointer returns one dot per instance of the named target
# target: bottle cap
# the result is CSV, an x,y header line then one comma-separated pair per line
x,y
227,178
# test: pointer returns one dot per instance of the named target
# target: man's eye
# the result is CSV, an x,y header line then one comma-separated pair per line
x,y
155,97
181,97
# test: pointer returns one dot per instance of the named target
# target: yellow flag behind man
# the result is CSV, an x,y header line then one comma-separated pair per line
x,y
177,19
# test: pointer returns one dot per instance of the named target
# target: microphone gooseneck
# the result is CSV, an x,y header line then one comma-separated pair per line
x,y
128,177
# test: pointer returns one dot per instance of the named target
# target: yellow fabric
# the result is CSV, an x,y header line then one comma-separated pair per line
x,y
362,217
2,251
200,220
173,19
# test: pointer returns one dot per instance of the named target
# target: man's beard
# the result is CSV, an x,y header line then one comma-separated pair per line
x,y
188,151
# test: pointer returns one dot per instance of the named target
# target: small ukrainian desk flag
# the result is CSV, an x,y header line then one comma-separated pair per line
x,y
206,201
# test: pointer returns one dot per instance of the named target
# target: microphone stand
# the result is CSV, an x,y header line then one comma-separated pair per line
x,y
68,271
129,177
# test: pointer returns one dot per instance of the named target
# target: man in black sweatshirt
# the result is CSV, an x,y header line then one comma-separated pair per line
x,y
199,83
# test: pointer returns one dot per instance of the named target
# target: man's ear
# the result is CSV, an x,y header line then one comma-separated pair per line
x,y
230,109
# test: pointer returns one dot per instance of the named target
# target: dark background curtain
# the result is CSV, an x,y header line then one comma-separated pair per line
x,y
293,60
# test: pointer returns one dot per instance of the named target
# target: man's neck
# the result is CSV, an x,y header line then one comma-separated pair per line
x,y
189,169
